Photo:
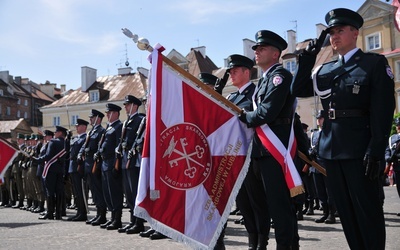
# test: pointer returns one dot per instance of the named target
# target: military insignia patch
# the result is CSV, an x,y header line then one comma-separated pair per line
x,y
277,80
389,72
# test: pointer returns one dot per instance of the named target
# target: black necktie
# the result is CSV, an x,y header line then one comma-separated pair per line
x,y
341,61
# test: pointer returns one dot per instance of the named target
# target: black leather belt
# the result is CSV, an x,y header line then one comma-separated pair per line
x,y
280,121
342,113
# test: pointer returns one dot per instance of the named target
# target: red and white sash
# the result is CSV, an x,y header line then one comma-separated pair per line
x,y
283,155
51,161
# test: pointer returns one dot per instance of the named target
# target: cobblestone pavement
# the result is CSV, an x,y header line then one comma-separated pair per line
x,y
22,230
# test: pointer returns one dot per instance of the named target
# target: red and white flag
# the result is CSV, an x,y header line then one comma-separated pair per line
x,y
194,158
7,154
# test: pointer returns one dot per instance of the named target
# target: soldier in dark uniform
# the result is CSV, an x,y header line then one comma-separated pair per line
x,y
93,178
30,175
324,193
110,173
274,106
48,135
77,176
306,176
251,199
17,172
130,165
25,164
54,173
357,94
392,155
37,180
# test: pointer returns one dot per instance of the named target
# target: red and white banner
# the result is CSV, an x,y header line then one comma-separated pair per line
x,y
7,154
194,159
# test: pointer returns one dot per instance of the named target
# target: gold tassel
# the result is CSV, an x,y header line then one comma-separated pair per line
x,y
296,191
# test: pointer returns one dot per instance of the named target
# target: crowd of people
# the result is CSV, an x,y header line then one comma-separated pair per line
x,y
357,96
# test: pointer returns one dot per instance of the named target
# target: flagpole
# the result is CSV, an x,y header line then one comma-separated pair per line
x,y
143,44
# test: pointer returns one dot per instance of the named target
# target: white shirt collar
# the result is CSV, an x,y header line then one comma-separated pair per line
x,y
244,87
349,54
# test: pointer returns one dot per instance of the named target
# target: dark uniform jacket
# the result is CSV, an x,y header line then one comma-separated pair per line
x,y
56,145
35,152
274,107
131,127
363,86
75,147
243,100
42,152
390,154
112,137
93,142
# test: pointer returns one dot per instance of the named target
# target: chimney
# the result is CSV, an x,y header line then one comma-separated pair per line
x,y
320,27
62,88
291,37
202,50
88,77
124,71
18,80
4,75
143,71
247,50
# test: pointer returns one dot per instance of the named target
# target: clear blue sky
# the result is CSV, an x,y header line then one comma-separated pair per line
x,y
52,39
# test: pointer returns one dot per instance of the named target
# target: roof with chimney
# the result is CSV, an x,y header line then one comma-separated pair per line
x,y
111,88
8,126
199,62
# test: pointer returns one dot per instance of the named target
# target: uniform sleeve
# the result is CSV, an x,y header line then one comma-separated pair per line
x,y
302,83
271,98
381,107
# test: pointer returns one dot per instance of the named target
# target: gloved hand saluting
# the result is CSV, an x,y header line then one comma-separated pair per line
x,y
315,45
221,82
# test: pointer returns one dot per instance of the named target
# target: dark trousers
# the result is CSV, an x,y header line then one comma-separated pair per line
x,y
358,203
130,179
54,182
112,190
280,206
252,203
95,183
397,180
77,181
323,189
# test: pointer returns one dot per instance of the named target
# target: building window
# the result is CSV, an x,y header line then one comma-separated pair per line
x,y
18,101
290,65
26,115
1,92
373,41
74,119
94,96
56,121
26,102
8,111
18,114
